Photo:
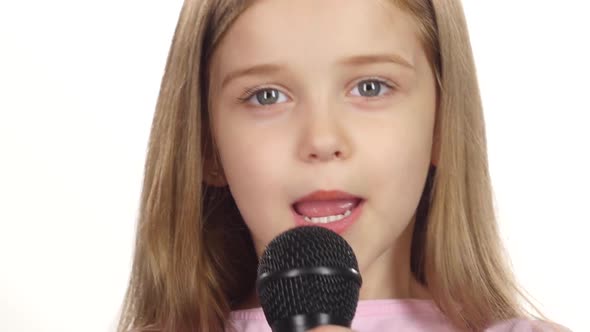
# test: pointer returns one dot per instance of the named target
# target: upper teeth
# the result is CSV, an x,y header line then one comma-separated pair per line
x,y
327,219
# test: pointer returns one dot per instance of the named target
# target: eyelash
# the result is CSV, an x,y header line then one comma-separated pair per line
x,y
251,92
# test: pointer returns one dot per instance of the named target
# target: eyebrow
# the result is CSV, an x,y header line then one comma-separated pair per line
x,y
358,60
376,58
263,69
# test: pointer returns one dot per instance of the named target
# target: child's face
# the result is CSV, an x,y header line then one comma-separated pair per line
x,y
325,121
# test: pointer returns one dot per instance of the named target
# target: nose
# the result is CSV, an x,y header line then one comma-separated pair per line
x,y
323,138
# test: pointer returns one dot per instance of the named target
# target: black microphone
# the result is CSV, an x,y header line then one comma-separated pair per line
x,y
308,276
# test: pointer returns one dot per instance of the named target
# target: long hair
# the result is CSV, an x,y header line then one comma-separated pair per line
x,y
194,259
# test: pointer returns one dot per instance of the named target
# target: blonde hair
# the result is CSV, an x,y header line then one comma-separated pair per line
x,y
194,258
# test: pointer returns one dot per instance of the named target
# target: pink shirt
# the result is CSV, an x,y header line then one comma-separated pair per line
x,y
388,315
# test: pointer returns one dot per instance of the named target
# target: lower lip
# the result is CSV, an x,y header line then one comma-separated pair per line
x,y
339,226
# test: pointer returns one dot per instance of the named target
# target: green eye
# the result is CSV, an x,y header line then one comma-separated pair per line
x,y
267,96
371,88
264,97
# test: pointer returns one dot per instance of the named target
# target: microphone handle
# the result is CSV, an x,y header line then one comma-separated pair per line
x,y
304,322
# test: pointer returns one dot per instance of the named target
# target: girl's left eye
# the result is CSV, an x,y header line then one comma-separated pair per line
x,y
371,88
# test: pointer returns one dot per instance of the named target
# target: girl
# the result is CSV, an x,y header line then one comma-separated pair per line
x,y
360,116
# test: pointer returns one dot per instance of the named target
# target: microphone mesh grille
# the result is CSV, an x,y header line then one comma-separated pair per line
x,y
309,246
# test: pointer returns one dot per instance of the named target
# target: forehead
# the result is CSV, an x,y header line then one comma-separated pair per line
x,y
316,33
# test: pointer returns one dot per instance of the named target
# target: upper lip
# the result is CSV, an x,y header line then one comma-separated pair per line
x,y
326,195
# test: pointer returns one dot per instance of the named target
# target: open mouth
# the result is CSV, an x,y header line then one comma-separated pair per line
x,y
326,211
333,209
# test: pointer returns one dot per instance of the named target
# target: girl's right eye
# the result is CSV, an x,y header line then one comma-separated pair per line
x,y
263,97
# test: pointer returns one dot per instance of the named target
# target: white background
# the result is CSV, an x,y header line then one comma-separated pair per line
x,y
78,85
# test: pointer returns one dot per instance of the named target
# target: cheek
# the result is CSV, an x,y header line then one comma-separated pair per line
x,y
400,143
254,166
251,158
397,157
